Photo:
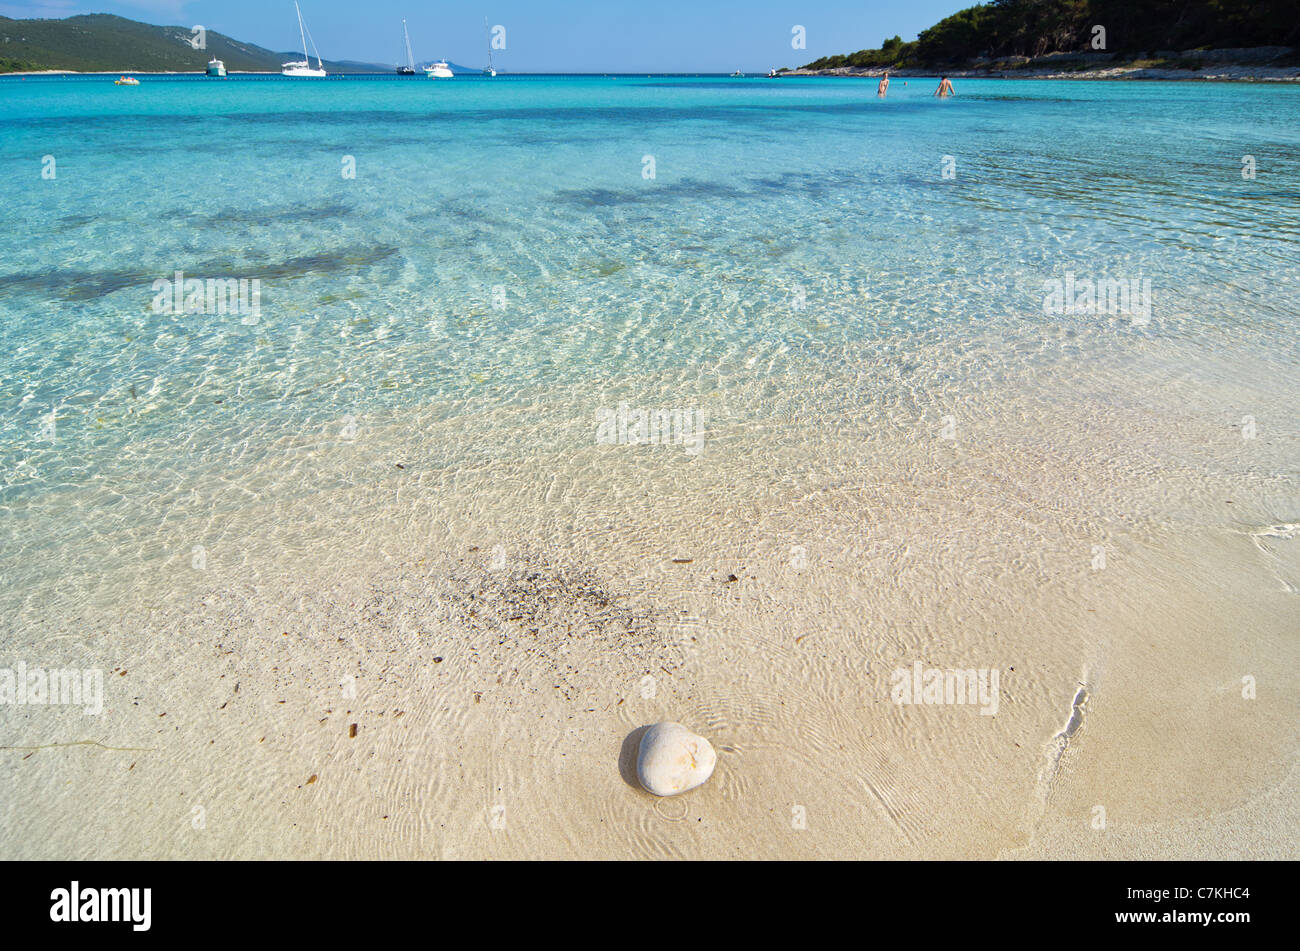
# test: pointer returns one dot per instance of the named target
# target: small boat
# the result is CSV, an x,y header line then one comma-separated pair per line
x,y
126,81
439,70
217,68
302,68
489,69
409,68
737,75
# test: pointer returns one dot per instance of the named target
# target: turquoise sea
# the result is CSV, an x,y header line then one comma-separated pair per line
x,y
419,243
381,566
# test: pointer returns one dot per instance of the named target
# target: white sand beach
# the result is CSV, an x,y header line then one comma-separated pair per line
x,y
497,629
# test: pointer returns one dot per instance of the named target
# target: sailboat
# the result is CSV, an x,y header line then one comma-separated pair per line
x,y
409,68
302,68
489,69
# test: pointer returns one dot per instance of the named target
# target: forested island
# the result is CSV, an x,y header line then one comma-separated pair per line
x,y
1092,35
101,42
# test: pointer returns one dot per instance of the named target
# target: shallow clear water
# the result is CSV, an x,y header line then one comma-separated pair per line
x,y
505,238
392,474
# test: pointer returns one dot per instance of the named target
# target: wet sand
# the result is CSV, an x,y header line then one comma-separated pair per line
x,y
499,615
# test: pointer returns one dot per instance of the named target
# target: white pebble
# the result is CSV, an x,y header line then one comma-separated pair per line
x,y
672,759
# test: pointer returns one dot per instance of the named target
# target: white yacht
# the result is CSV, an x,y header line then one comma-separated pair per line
x,y
438,70
217,68
302,68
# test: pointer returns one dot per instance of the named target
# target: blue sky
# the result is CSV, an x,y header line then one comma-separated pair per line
x,y
544,35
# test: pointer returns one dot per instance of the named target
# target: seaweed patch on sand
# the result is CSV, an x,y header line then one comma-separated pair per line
x,y
556,621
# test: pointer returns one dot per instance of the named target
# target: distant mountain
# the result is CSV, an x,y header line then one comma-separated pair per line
x,y
100,42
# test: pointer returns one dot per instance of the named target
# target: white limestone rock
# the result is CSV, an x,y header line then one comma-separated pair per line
x,y
672,759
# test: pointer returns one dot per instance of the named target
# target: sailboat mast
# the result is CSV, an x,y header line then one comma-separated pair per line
x,y
410,59
488,30
302,34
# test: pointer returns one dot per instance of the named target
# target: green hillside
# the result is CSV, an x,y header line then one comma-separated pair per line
x,y
1005,29
103,43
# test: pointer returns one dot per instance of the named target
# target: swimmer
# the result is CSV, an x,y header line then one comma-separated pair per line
x,y
884,85
945,88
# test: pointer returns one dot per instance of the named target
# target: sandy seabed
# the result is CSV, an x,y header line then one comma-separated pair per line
x,y
451,659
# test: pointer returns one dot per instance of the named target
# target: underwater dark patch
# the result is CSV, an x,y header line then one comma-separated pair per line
x,y
74,285
259,216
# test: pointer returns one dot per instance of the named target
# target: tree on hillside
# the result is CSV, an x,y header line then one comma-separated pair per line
x,y
1005,28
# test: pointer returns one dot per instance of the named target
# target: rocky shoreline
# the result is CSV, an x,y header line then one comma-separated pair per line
x,y
1262,64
